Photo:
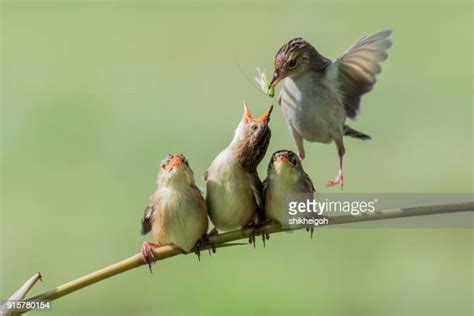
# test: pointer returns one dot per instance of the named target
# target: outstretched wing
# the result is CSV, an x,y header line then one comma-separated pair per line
x,y
353,73
148,214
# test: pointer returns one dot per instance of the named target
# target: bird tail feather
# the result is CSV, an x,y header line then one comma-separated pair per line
x,y
348,131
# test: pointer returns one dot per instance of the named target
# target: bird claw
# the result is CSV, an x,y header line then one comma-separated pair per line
x,y
337,181
203,242
310,229
147,253
257,230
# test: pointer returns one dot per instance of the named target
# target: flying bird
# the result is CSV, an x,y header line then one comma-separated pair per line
x,y
177,212
319,94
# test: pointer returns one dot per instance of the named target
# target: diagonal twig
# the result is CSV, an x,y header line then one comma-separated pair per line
x,y
223,240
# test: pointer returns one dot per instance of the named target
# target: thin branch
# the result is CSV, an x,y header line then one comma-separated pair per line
x,y
222,240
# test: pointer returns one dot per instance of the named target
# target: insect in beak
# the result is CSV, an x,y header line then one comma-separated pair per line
x,y
275,79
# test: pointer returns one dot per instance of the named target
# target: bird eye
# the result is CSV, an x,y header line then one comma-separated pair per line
x,y
291,63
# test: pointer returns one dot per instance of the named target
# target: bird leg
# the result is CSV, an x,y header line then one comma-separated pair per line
x,y
298,139
213,232
340,177
147,253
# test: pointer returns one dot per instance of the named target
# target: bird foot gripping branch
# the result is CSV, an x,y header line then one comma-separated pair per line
x,y
257,229
147,253
204,242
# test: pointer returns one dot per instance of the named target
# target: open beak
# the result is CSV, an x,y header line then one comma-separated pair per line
x,y
275,79
247,115
265,118
175,162
281,160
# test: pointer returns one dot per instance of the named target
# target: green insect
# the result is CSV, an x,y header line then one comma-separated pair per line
x,y
264,83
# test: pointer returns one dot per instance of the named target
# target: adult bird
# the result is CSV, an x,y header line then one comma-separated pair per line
x,y
319,94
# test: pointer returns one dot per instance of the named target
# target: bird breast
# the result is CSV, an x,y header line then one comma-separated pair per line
x,y
281,188
181,217
230,200
311,108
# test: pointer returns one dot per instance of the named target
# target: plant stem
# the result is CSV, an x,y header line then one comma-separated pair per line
x,y
221,240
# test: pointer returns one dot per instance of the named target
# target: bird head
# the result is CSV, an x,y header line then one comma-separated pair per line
x,y
285,162
174,168
294,57
251,139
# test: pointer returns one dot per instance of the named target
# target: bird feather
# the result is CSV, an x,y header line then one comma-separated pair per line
x,y
353,73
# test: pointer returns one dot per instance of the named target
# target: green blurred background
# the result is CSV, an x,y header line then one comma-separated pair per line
x,y
94,94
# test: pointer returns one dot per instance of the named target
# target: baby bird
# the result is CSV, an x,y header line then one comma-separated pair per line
x,y
177,212
234,193
319,94
286,180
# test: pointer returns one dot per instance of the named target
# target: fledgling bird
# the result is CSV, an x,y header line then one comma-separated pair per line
x,y
319,94
286,180
177,212
234,190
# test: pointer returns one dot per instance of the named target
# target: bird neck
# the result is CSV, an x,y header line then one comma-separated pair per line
x,y
239,135
249,151
284,174
317,62
177,181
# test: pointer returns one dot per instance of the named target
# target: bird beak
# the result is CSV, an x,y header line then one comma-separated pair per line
x,y
247,115
265,118
281,160
275,79
175,162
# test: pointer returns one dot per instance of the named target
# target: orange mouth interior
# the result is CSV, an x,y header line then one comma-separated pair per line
x,y
264,119
281,160
175,162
